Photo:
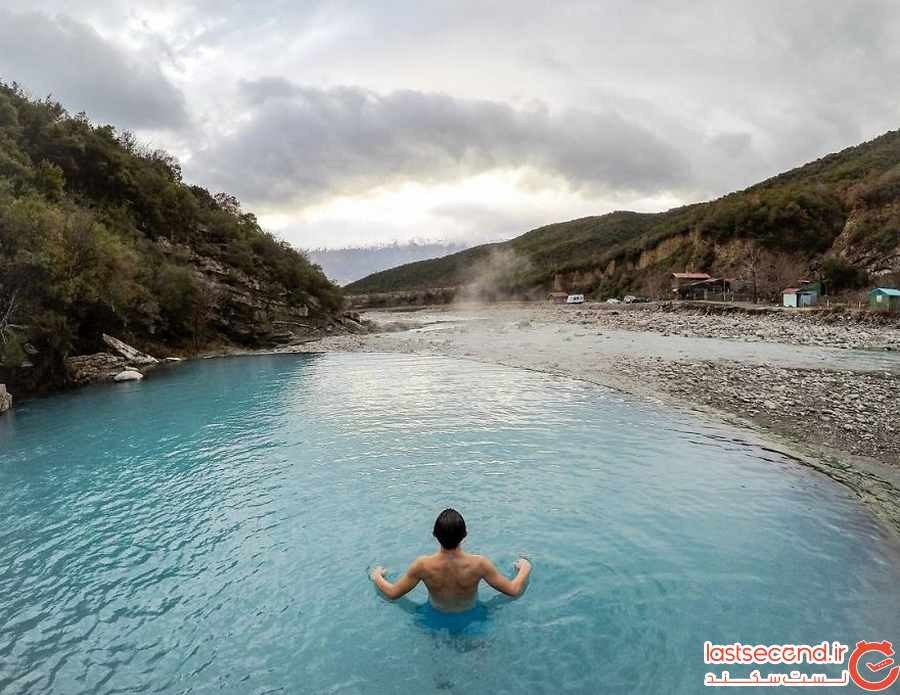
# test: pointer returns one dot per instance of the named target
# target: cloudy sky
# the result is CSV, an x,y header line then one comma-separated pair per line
x,y
344,123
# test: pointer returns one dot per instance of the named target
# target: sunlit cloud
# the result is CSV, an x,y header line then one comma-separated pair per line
x,y
488,207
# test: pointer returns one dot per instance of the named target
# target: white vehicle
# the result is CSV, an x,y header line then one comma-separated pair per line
x,y
613,300
575,299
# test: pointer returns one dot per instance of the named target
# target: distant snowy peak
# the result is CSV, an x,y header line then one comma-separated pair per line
x,y
349,264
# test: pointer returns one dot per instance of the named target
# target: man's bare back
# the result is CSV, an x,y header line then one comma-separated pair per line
x,y
451,574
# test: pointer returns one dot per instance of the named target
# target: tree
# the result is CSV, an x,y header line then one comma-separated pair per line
x,y
228,203
780,271
203,304
11,349
838,275
657,285
50,180
753,266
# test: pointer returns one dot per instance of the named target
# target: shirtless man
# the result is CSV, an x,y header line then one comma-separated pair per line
x,y
451,574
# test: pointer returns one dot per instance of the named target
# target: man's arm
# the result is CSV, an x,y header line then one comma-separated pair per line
x,y
511,587
394,590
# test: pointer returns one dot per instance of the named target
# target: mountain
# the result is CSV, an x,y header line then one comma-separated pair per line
x,y
101,235
352,263
837,218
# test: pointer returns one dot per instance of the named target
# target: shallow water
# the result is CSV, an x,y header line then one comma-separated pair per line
x,y
210,528
647,344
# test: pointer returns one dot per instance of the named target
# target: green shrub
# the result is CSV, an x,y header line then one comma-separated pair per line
x,y
83,213
838,275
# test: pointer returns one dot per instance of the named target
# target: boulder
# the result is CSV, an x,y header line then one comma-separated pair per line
x,y
128,375
5,399
131,354
101,366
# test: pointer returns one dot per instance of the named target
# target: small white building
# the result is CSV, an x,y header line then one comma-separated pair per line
x,y
796,297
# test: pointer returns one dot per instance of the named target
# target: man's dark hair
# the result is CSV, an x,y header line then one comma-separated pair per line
x,y
450,529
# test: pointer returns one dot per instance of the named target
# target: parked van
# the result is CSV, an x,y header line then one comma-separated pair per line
x,y
575,299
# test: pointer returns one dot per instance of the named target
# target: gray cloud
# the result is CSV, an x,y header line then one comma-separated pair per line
x,y
71,61
647,101
257,92
300,142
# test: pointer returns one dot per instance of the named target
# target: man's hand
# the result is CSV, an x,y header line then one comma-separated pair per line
x,y
394,590
511,587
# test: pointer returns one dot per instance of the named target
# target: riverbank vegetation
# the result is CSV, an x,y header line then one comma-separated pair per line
x,y
100,234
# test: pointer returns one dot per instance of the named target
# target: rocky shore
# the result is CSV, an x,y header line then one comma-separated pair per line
x,y
824,328
849,411
120,363
825,390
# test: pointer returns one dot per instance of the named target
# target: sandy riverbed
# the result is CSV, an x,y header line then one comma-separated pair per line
x,y
827,393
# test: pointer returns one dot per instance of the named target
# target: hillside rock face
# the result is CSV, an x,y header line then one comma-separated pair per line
x,y
5,399
241,309
249,310
882,258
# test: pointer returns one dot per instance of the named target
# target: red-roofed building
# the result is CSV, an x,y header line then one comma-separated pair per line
x,y
682,280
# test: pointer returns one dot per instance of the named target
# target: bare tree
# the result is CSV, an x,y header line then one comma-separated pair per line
x,y
768,272
753,266
656,285
780,271
202,309
7,314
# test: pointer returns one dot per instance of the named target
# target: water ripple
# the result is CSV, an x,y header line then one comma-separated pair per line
x,y
209,529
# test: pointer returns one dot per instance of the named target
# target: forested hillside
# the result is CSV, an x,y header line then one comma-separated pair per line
x,y
837,218
99,234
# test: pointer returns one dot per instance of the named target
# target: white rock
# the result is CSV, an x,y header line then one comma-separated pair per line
x,y
128,375
5,399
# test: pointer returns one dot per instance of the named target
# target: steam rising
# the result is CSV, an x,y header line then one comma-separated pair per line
x,y
496,276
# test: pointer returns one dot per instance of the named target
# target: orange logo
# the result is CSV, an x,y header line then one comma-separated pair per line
x,y
886,650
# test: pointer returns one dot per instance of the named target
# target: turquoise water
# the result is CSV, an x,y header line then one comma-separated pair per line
x,y
210,528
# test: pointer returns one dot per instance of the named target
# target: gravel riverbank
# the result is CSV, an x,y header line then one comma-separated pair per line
x,y
850,330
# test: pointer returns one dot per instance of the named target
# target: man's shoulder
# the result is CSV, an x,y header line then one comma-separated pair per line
x,y
422,562
480,561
